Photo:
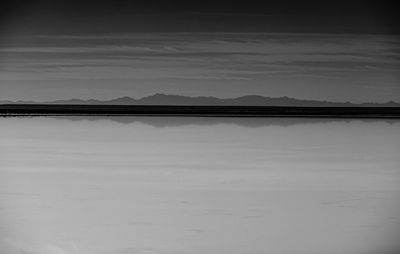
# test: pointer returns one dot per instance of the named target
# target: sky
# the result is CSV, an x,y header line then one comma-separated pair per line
x,y
334,51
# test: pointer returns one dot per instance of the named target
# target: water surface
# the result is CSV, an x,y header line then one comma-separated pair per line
x,y
129,185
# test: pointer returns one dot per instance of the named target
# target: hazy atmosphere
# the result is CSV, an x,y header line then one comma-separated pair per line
x,y
355,68
326,51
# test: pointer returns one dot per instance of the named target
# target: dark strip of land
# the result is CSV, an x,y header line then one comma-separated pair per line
x,y
240,111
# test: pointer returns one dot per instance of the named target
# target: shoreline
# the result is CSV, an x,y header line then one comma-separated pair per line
x,y
15,110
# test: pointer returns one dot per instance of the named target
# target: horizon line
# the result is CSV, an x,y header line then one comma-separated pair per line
x,y
200,96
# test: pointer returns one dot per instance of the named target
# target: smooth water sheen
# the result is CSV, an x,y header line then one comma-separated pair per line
x,y
136,185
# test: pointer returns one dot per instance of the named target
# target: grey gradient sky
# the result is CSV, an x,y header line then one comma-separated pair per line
x,y
333,51
309,66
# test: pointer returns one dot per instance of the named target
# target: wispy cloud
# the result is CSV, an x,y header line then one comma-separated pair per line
x,y
253,57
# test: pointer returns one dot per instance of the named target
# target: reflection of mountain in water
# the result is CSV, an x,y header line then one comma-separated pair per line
x,y
167,121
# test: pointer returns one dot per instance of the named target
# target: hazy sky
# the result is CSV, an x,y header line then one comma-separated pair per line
x,y
330,51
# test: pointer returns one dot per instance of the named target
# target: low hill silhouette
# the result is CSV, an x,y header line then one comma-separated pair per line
x,y
248,100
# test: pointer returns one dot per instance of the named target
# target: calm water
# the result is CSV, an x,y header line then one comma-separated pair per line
x,y
138,185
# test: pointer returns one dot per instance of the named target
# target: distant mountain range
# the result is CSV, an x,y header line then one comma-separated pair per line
x,y
248,100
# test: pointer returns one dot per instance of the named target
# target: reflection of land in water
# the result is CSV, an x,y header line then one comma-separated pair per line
x,y
117,184
159,121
